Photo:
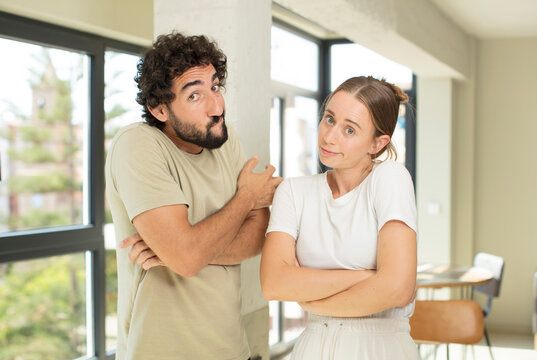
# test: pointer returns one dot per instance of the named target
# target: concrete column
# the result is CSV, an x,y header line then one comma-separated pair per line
x,y
463,150
433,169
242,30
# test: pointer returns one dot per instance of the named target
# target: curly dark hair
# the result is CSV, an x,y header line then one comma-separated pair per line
x,y
169,57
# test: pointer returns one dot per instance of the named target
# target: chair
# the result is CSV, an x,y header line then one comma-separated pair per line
x,y
490,289
447,322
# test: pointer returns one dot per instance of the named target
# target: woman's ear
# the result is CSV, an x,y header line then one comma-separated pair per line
x,y
160,112
379,143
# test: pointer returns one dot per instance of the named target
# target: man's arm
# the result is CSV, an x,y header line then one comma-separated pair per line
x,y
248,243
186,248
249,240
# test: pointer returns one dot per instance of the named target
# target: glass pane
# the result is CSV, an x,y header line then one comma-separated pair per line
x,y
121,109
43,308
43,137
348,60
398,138
294,320
274,322
294,59
300,136
276,135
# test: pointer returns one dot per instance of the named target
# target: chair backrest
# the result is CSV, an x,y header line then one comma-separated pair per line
x,y
494,264
447,321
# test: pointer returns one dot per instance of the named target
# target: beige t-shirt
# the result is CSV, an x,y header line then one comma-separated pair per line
x,y
162,315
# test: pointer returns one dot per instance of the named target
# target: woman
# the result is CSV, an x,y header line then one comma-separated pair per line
x,y
343,243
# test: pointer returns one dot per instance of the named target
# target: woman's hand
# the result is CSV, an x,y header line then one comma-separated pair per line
x,y
140,252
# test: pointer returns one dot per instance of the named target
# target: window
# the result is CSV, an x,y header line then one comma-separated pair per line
x,y
294,59
44,132
293,146
54,292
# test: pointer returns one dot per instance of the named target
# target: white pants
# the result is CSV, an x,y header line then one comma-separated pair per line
x,y
331,338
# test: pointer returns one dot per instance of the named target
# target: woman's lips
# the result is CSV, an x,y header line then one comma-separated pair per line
x,y
327,152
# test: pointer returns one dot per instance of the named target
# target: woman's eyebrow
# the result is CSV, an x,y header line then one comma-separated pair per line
x,y
349,120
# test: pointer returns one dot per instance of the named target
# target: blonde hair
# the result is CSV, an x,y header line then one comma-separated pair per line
x,y
382,100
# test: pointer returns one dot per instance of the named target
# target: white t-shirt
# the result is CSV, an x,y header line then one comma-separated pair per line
x,y
342,233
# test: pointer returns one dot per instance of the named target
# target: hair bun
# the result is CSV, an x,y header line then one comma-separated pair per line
x,y
400,95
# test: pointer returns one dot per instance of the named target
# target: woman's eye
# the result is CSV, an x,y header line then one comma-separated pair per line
x,y
329,120
349,131
194,97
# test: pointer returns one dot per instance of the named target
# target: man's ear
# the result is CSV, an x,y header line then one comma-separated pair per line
x,y
379,143
160,112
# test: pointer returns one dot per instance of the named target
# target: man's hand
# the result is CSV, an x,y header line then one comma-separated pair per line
x,y
260,187
140,252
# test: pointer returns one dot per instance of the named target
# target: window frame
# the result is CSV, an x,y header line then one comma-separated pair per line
x,y
47,242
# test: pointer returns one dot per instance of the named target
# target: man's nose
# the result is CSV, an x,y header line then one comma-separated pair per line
x,y
216,105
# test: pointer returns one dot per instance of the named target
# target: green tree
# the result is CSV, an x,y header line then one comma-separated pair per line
x,y
42,307
42,302
47,138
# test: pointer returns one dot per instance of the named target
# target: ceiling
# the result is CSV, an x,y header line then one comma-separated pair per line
x,y
487,19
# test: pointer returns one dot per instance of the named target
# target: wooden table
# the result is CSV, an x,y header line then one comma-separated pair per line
x,y
432,276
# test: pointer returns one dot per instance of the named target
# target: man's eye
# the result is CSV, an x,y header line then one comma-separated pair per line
x,y
216,88
193,97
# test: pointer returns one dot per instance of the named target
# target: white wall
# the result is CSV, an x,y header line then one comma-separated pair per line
x,y
433,169
506,171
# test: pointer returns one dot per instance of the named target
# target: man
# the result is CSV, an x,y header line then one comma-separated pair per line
x,y
177,181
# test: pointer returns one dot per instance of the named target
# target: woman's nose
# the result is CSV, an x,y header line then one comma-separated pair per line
x,y
330,135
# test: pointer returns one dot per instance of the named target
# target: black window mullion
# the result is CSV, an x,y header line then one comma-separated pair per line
x,y
33,244
410,130
96,199
96,140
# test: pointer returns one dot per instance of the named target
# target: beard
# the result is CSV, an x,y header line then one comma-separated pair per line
x,y
189,133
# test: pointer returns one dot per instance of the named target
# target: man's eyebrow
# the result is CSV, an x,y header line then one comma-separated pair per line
x,y
197,82
191,83
349,120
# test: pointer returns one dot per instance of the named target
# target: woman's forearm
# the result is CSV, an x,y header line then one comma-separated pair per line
x,y
293,283
282,278
393,285
370,296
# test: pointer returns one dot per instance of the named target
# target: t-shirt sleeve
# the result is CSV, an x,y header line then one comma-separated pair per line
x,y
141,174
393,195
283,215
